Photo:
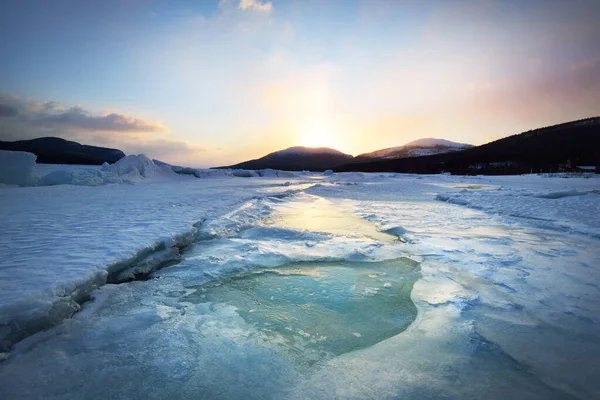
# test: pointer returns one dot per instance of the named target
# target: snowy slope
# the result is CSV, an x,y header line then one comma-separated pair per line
x,y
420,147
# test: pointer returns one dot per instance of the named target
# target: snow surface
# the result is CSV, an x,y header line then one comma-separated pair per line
x,y
432,142
507,295
21,169
420,147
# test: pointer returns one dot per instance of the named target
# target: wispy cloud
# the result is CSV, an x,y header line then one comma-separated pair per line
x,y
51,115
79,118
27,118
256,5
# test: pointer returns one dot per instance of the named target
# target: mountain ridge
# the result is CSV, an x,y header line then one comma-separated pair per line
x,y
297,158
419,147
54,150
547,149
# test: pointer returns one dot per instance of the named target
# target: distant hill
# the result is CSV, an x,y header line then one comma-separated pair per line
x,y
53,150
298,159
421,147
545,149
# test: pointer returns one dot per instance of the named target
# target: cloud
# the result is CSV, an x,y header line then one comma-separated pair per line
x,y
256,5
28,119
8,111
43,106
50,116
78,118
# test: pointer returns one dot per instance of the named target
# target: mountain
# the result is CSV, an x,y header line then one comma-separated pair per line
x,y
421,147
298,159
546,149
53,150
322,158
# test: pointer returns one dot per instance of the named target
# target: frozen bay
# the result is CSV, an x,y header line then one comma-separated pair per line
x,y
496,293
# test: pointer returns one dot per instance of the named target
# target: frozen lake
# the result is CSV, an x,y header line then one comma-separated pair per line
x,y
350,286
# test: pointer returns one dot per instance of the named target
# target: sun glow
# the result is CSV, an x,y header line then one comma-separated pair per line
x,y
318,132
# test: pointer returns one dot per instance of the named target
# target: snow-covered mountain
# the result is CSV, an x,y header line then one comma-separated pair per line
x,y
547,149
420,147
297,159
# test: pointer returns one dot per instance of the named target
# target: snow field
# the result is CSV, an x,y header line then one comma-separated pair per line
x,y
506,304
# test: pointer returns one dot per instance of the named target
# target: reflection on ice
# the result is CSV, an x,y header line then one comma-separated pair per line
x,y
315,311
321,215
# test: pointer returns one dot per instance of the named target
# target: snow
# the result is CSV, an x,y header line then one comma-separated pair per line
x,y
506,287
133,167
243,173
275,173
17,168
328,172
420,147
130,169
432,142
78,235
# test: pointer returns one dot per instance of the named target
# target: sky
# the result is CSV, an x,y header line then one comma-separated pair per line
x,y
216,82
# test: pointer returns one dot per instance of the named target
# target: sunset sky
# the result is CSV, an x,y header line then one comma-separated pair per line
x,y
206,83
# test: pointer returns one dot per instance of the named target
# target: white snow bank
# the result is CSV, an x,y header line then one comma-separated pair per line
x,y
79,177
432,142
570,205
561,194
60,242
211,173
128,169
243,173
220,173
133,167
17,168
328,172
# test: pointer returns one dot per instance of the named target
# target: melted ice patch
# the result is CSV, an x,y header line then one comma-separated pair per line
x,y
315,311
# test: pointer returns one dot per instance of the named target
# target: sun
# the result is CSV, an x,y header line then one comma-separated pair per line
x,y
318,132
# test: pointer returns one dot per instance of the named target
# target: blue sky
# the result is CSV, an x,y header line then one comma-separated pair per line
x,y
214,82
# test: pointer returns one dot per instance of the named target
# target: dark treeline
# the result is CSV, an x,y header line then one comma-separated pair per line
x,y
549,149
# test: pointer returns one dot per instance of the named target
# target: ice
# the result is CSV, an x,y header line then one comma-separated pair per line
x,y
80,177
242,173
248,286
134,166
129,169
17,168
314,310
553,203
275,173
61,242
